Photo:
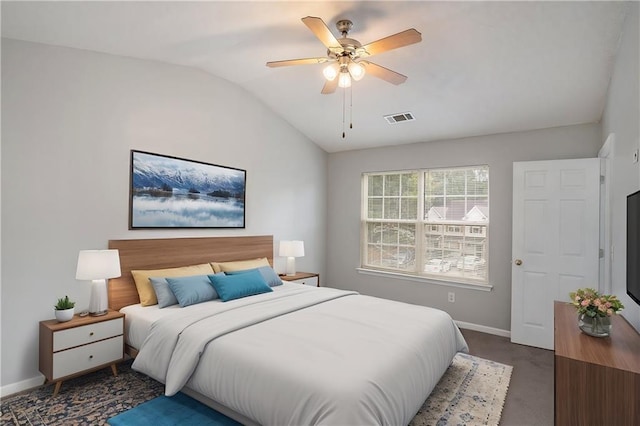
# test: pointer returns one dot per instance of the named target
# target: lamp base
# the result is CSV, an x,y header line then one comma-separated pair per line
x,y
99,301
291,266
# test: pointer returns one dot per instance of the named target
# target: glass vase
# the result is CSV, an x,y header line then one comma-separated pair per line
x,y
595,326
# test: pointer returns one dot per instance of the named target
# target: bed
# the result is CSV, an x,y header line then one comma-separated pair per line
x,y
297,355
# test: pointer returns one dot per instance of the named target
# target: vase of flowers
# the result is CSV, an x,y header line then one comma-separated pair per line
x,y
594,311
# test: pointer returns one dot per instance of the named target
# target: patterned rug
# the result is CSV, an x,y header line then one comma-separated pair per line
x,y
471,392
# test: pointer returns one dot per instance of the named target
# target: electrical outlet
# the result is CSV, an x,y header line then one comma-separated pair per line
x,y
452,297
635,156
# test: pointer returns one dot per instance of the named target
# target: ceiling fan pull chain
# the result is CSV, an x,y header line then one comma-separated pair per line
x,y
344,101
351,107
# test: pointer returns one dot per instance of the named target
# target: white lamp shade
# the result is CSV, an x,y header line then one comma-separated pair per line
x,y
344,80
356,70
291,248
330,72
98,264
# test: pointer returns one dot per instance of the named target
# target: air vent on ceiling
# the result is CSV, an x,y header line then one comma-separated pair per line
x,y
399,118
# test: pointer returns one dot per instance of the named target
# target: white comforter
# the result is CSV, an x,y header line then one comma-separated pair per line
x,y
305,356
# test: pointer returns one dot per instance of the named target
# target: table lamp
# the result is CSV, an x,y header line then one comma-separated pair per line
x,y
291,250
98,266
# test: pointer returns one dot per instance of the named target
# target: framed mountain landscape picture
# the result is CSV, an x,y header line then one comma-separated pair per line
x,y
171,192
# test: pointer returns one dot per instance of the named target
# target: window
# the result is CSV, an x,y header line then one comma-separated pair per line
x,y
430,223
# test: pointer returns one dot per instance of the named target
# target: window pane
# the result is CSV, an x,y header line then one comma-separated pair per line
x,y
407,234
391,185
374,232
375,185
374,255
455,208
409,184
375,208
408,208
455,182
433,209
478,181
434,182
390,233
478,209
391,208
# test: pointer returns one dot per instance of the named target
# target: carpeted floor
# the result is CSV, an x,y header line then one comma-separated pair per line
x,y
471,392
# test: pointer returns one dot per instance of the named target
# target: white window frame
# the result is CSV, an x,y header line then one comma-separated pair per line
x,y
426,229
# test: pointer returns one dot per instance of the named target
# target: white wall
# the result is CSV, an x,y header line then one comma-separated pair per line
x,y
486,309
621,117
70,119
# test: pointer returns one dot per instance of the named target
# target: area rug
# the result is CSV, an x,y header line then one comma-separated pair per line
x,y
471,392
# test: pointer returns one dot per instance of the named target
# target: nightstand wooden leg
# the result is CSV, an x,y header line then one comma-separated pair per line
x,y
114,369
57,388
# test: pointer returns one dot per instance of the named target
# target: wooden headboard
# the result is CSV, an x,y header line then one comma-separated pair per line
x,y
172,252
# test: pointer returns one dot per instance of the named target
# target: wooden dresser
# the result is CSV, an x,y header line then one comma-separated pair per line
x,y
597,380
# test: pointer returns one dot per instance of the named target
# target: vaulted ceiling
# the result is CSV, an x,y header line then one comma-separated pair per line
x,y
481,68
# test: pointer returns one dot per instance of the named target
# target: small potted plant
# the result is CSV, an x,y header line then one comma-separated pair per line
x,y
64,309
594,311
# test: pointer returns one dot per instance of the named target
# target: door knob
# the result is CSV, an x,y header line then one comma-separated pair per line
x,y
518,262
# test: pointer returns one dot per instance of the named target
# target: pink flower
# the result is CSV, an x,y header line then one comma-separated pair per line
x,y
601,308
586,302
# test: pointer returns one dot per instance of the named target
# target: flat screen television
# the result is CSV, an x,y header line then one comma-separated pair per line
x,y
633,246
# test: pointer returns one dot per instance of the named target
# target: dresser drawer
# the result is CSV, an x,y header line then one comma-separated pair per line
x,y
311,281
71,361
82,335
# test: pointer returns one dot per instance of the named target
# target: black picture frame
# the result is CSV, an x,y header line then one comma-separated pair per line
x,y
168,192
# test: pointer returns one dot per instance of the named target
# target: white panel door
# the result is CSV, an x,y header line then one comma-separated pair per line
x,y
555,246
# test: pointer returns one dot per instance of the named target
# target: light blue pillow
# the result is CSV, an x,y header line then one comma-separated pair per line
x,y
267,272
163,293
230,287
192,290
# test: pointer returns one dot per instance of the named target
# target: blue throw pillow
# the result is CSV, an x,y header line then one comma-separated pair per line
x,y
163,293
192,290
231,287
267,272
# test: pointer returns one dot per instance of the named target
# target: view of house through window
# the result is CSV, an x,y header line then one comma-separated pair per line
x,y
430,223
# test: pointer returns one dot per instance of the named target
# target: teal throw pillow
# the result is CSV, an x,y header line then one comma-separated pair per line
x,y
230,287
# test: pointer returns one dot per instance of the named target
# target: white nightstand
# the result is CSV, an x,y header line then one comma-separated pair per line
x,y
79,346
306,278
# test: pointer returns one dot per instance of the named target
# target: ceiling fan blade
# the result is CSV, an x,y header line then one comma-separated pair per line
x,y
395,41
303,61
384,73
330,86
320,29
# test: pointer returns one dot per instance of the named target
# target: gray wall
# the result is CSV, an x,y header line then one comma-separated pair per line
x,y
69,120
487,309
621,117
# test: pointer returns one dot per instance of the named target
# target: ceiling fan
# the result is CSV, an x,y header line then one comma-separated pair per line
x,y
346,55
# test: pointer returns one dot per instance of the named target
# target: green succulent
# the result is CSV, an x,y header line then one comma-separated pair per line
x,y
64,304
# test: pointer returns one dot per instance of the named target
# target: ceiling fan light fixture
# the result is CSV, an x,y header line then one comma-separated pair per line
x,y
344,80
330,72
356,70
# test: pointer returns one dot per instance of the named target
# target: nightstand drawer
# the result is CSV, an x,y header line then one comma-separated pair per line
x,y
311,281
82,335
71,361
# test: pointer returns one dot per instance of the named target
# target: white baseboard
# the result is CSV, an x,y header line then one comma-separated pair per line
x,y
484,329
20,386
